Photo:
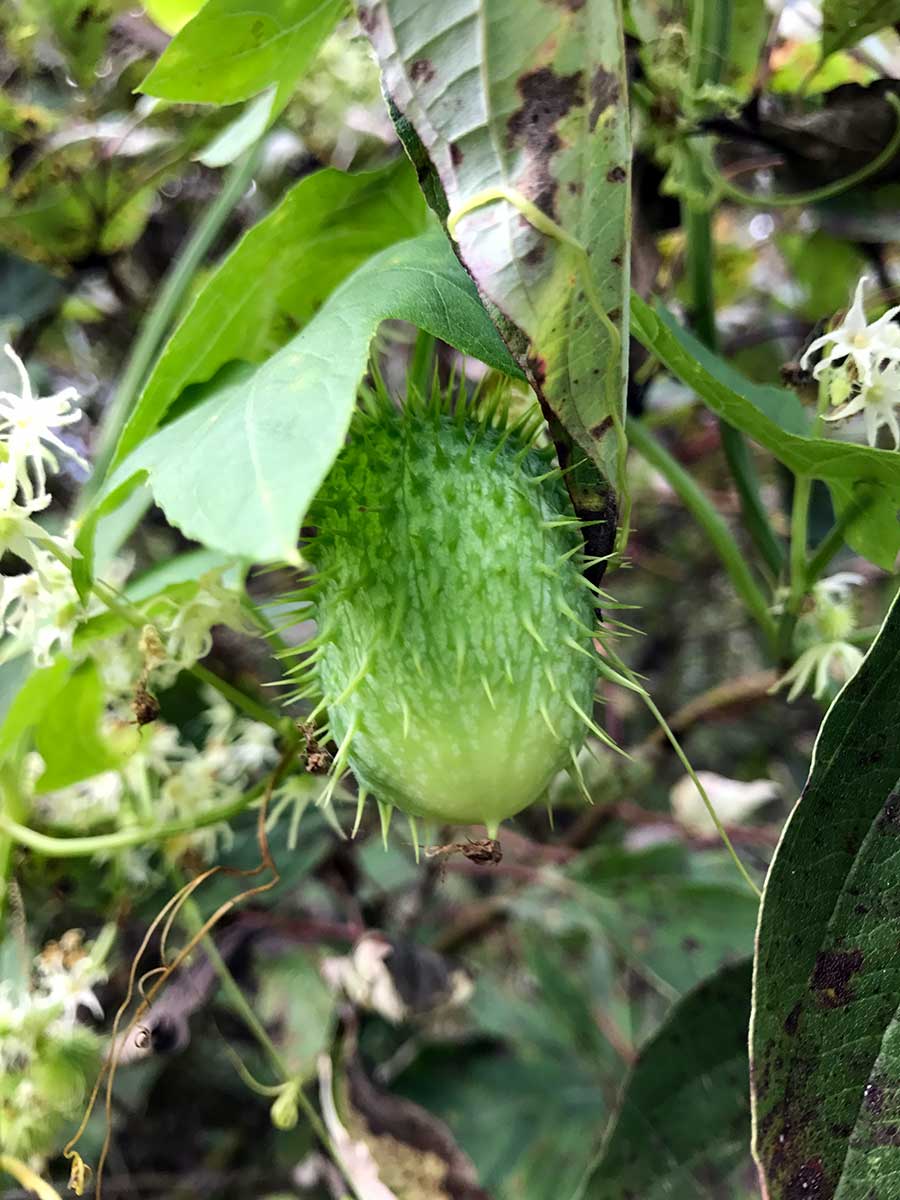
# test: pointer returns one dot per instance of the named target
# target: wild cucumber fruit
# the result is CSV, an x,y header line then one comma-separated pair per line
x,y
454,656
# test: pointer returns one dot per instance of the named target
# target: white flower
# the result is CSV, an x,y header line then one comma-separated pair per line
x,y
18,532
823,633
254,749
733,800
878,402
29,422
67,974
865,345
84,803
821,663
187,634
41,608
836,588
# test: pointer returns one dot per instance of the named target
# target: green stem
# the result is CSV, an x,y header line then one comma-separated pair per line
x,y
799,537
193,921
709,46
798,583
800,579
160,318
699,254
121,839
11,808
706,516
827,191
253,708
621,673
835,538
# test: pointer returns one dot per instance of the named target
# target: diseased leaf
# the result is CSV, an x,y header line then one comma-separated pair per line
x,y
238,471
825,1043
232,49
530,97
847,22
684,1117
276,277
853,472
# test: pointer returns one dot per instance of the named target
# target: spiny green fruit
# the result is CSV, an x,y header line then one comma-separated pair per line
x,y
454,655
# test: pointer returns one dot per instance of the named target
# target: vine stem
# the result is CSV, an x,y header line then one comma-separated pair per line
x,y
120,839
801,579
816,195
708,518
622,674
193,922
160,318
29,1179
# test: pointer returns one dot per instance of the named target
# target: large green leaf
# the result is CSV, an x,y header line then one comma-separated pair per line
x,y
526,1097
844,466
35,691
232,49
238,471
684,1118
672,927
68,734
277,276
847,22
825,1043
531,97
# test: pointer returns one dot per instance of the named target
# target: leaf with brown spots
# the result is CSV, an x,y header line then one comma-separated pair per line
x,y
530,96
825,1040
683,1124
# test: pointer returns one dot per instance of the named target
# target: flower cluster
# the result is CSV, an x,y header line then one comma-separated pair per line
x,y
40,608
867,358
46,1057
28,438
824,631
184,780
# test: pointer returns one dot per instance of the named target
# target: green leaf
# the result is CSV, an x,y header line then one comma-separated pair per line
x,y
232,49
277,277
68,736
684,1117
172,15
746,36
243,132
847,22
774,424
183,568
36,691
825,1043
531,97
238,471
294,999
536,1063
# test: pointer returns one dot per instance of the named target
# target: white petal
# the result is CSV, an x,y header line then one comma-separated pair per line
x,y
855,319
20,368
